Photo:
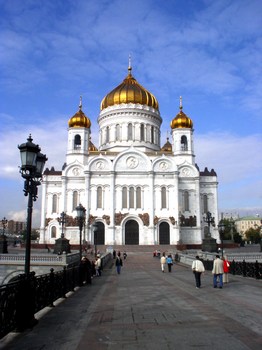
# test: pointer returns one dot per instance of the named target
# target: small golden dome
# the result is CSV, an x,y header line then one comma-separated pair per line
x,y
91,146
129,91
181,120
167,146
79,120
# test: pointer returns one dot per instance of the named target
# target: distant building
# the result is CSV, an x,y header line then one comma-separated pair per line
x,y
245,223
13,227
135,190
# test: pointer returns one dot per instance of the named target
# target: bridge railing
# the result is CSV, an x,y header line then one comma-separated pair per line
x,y
243,268
22,298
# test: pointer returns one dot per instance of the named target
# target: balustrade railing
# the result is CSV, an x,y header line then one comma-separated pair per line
x,y
23,297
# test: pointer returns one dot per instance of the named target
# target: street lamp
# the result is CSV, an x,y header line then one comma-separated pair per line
x,y
209,220
81,214
62,221
221,230
3,241
31,169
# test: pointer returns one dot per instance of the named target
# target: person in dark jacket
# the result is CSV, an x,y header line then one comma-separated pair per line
x,y
119,264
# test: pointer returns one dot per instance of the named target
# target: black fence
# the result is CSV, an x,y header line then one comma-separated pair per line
x,y
242,268
23,297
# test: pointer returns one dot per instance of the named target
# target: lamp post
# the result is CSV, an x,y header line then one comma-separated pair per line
x,y
221,230
81,214
62,221
209,219
31,169
209,243
62,244
3,241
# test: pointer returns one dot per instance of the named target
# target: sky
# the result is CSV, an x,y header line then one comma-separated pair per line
x,y
209,52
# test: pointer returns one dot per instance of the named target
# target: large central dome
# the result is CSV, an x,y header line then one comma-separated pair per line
x,y
129,91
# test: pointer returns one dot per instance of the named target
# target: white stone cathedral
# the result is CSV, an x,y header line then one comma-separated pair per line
x,y
134,191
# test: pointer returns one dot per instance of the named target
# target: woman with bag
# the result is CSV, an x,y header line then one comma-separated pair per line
x,y
198,268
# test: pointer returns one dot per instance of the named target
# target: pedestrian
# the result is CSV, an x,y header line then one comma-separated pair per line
x,y
169,262
163,262
125,255
226,270
114,254
119,264
218,270
198,268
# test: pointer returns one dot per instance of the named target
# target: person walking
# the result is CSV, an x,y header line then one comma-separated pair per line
x,y
217,271
119,264
163,262
198,268
169,262
226,269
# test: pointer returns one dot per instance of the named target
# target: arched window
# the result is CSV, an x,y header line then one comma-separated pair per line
x,y
107,134
205,203
138,197
163,197
142,132
53,232
152,134
77,142
184,146
117,132
54,204
130,132
75,200
99,197
186,201
131,197
124,197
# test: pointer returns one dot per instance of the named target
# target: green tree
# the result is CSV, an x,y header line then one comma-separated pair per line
x,y
34,235
253,235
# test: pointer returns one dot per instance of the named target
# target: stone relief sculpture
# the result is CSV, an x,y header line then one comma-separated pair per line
x,y
107,219
145,218
172,219
119,217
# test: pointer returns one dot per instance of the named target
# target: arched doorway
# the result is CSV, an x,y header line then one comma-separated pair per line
x,y
99,234
131,232
164,233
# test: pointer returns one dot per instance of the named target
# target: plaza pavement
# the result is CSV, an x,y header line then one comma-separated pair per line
x,y
143,308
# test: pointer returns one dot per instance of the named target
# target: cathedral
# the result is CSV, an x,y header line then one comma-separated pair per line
x,y
135,190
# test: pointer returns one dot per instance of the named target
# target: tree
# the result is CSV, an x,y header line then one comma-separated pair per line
x,y
253,235
34,235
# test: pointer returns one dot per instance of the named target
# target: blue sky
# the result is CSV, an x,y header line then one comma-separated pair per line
x,y
209,52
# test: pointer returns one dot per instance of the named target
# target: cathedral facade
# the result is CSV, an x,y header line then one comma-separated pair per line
x,y
134,191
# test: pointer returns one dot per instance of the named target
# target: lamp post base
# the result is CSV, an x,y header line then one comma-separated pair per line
x,y
62,245
209,244
3,245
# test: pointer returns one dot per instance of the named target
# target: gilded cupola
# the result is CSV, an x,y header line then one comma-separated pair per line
x,y
181,120
79,120
129,91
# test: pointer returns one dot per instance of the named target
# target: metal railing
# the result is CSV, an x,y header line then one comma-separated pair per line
x,y
22,298
240,268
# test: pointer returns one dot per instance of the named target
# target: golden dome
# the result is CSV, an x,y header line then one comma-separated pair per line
x,y
181,120
167,146
129,91
79,120
91,146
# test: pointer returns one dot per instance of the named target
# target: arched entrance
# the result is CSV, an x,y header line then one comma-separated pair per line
x,y
164,233
131,232
99,234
